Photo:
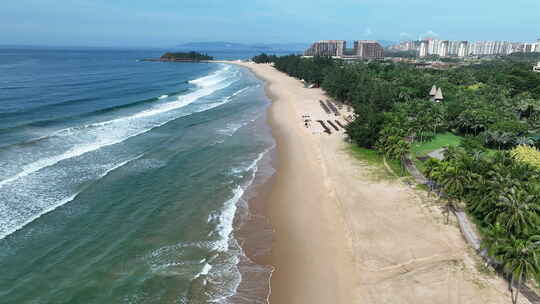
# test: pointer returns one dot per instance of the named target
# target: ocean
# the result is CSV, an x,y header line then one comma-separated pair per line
x,y
124,181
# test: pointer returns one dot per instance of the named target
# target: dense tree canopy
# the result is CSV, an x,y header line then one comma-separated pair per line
x,y
264,58
498,101
189,56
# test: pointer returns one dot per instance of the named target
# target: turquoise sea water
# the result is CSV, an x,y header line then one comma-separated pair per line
x,y
120,180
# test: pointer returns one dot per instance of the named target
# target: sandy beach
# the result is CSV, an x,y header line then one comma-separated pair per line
x,y
342,236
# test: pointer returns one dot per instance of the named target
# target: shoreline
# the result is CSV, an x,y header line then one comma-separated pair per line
x,y
340,236
287,257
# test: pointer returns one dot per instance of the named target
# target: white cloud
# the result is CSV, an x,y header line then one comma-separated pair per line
x,y
430,33
404,35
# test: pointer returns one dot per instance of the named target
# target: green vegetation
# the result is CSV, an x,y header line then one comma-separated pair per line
x,y
496,102
526,154
422,187
488,109
374,158
443,140
397,167
369,156
503,196
400,54
525,56
189,56
263,58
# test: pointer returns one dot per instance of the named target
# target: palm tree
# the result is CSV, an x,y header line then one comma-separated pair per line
x,y
524,140
519,259
499,138
517,209
506,138
453,181
438,120
493,239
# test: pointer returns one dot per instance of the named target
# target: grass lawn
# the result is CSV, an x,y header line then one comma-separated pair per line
x,y
420,149
374,158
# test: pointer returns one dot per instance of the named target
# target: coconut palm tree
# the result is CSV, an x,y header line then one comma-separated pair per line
x,y
498,138
453,181
505,138
493,239
524,140
517,209
520,261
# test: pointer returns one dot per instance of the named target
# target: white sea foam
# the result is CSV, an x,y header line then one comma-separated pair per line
x,y
205,270
124,127
225,276
11,225
163,96
212,79
239,92
231,128
226,219
225,226
226,215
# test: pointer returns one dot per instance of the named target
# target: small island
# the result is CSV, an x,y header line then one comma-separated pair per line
x,y
182,57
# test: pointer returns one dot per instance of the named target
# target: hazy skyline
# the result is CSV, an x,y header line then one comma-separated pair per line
x,y
164,23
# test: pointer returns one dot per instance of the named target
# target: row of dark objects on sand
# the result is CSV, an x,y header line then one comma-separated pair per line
x,y
325,107
332,107
329,107
333,125
326,129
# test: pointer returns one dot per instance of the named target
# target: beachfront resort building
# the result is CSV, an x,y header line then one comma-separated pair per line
x,y
363,49
333,48
368,49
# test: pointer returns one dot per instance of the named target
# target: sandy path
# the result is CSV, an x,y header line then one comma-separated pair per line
x,y
342,237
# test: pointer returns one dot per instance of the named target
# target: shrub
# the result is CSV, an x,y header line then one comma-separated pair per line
x,y
527,154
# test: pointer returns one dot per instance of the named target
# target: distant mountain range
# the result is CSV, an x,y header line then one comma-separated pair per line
x,y
232,46
260,47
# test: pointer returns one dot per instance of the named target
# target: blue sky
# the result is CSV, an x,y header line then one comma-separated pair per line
x,y
164,23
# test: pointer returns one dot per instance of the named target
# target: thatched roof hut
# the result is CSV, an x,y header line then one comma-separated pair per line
x,y
433,91
439,95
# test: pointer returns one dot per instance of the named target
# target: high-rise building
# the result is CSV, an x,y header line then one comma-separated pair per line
x,y
423,50
463,49
489,48
368,49
433,46
332,48
453,48
405,46
515,47
412,45
443,48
